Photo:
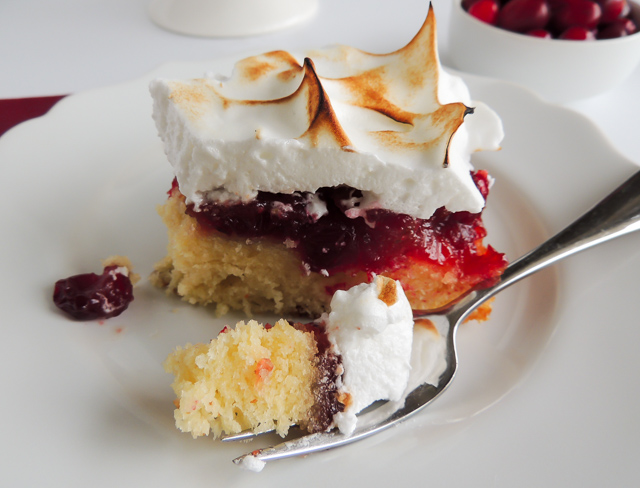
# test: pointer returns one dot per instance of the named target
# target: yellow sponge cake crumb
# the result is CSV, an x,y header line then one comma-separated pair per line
x,y
249,377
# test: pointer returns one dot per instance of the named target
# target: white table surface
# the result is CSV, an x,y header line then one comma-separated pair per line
x,y
51,47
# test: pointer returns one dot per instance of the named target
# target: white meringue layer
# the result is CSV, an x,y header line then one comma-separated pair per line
x,y
394,126
371,327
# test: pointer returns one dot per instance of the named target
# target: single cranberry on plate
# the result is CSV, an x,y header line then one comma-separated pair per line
x,y
91,296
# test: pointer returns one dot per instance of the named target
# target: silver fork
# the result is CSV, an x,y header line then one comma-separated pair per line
x,y
618,214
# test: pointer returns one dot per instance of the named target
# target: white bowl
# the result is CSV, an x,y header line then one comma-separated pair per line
x,y
229,18
558,70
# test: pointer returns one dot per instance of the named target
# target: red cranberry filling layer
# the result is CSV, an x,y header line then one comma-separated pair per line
x,y
335,242
90,296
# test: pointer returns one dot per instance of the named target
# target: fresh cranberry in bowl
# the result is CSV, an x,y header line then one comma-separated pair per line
x,y
618,28
542,33
524,15
484,10
574,13
577,33
613,10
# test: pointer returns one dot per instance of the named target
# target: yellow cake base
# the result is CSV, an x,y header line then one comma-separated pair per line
x,y
246,378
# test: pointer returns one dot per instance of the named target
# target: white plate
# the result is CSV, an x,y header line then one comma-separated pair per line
x,y
88,403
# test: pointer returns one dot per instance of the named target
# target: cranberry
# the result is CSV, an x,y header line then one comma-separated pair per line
x,y
575,13
485,10
577,34
617,28
542,33
91,296
613,10
612,31
524,15
629,25
466,4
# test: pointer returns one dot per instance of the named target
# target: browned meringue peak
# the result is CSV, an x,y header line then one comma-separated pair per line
x,y
403,81
267,76
400,89
323,121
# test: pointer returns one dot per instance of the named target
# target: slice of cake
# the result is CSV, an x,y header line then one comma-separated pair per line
x,y
317,376
299,176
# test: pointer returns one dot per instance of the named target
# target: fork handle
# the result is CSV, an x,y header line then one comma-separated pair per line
x,y
616,215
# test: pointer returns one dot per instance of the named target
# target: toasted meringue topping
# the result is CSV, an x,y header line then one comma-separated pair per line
x,y
391,125
370,327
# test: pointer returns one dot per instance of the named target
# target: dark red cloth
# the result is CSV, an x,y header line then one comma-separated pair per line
x,y
16,110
